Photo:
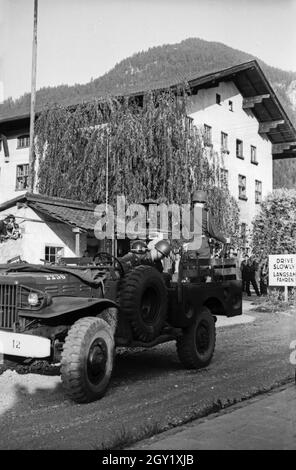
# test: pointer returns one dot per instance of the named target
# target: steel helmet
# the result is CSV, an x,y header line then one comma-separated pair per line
x,y
163,247
199,196
139,246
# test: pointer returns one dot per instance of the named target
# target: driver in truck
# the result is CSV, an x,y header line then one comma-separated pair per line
x,y
141,254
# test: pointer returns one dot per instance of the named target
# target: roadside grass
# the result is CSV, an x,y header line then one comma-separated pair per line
x,y
125,438
274,301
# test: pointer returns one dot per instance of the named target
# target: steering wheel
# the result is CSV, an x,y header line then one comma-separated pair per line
x,y
103,258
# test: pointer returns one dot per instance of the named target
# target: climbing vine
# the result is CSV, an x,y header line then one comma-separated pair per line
x,y
151,151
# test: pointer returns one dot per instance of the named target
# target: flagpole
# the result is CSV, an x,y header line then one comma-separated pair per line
x,y
33,98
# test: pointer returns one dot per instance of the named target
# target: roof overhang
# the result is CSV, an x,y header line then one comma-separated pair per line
x,y
76,214
260,98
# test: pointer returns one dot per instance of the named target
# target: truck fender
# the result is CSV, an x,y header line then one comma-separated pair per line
x,y
68,305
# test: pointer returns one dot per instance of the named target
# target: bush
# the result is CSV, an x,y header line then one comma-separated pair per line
x,y
274,232
274,228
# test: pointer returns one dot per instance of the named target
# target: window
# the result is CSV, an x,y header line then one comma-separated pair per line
x,y
224,178
188,122
258,192
239,149
53,253
230,105
254,155
242,193
22,177
23,141
208,135
224,142
218,98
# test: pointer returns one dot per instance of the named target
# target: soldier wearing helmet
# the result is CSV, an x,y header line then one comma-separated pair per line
x,y
205,225
139,247
160,250
140,254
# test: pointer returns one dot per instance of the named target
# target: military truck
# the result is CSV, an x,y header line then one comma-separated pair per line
x,y
76,313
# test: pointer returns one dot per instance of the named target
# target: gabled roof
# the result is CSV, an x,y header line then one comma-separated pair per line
x,y
259,97
74,213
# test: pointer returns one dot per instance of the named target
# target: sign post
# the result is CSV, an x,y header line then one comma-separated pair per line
x,y
282,272
286,294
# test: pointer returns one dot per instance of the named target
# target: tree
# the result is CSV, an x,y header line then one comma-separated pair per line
x,y
154,152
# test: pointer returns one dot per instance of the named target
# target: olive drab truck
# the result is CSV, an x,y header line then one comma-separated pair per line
x,y
77,312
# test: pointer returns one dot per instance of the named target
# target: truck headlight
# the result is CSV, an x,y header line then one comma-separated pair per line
x,y
33,299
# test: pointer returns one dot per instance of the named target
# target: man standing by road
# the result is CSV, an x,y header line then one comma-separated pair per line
x,y
243,268
251,269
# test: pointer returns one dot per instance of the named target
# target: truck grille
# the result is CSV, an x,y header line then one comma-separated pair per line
x,y
8,305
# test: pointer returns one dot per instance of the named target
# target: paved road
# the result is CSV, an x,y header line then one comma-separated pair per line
x,y
150,391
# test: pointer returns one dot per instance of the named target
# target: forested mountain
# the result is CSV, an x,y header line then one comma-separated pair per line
x,y
157,67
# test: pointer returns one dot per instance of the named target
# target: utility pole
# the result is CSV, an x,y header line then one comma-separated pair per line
x,y
33,98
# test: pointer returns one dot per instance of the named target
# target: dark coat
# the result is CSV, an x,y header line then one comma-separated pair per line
x,y
250,270
243,267
3,230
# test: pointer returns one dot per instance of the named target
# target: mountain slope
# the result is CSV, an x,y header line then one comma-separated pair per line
x,y
157,67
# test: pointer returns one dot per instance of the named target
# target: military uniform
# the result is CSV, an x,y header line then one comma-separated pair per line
x,y
131,260
207,230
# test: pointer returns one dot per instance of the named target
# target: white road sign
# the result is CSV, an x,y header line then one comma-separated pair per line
x,y
282,270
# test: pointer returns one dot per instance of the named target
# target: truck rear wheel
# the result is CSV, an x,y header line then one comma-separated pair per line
x,y
197,344
143,300
87,359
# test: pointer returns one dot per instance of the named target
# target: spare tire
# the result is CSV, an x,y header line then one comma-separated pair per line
x,y
143,300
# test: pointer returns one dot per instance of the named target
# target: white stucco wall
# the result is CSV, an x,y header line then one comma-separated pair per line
x,y
36,234
8,169
238,124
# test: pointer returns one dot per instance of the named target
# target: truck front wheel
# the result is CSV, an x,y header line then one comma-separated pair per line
x,y
87,359
196,345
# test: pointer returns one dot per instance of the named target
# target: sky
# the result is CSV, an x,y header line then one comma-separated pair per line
x,y
82,39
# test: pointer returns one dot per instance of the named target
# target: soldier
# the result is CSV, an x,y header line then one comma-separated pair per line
x,y
208,228
264,277
204,230
243,268
251,269
140,254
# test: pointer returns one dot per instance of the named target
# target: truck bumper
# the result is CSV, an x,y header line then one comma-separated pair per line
x,y
17,344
